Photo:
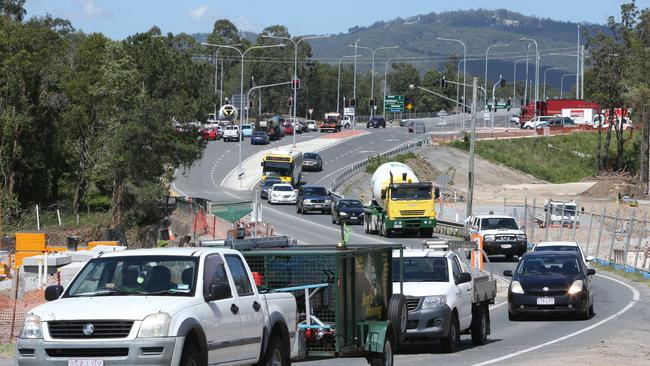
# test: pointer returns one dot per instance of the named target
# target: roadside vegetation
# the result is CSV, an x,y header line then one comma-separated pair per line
x,y
632,276
555,159
7,350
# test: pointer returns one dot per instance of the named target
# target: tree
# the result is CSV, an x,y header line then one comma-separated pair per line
x,y
13,9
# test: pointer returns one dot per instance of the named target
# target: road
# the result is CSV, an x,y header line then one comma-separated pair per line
x,y
511,343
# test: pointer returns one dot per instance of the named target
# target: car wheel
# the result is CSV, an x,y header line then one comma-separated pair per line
x,y
450,342
190,355
480,326
275,354
585,314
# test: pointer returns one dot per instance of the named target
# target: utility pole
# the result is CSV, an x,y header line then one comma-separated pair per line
x,y
472,141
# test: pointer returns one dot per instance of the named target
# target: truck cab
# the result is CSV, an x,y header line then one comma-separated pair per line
x,y
445,297
171,306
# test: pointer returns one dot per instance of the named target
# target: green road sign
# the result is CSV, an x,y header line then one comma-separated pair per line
x,y
394,103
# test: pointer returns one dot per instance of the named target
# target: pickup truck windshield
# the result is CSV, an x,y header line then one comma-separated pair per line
x,y
494,223
136,275
421,269
315,191
411,193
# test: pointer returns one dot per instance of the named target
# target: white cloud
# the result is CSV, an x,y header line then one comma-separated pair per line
x,y
90,9
200,13
247,24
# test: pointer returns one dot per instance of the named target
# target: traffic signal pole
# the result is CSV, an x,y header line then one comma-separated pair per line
x,y
472,143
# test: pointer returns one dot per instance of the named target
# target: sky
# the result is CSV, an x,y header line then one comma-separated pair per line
x,y
118,19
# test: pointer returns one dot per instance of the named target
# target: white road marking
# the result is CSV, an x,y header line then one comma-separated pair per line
x,y
635,298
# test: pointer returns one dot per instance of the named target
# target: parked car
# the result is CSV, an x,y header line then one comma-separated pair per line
x,y
627,200
247,130
303,126
348,210
231,133
563,246
266,184
550,283
160,306
537,122
311,125
210,133
376,122
312,161
260,138
313,198
281,193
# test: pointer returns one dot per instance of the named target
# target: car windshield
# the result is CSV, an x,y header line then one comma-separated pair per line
x,y
279,168
246,127
315,191
411,193
310,156
540,265
350,204
494,223
282,188
424,269
136,275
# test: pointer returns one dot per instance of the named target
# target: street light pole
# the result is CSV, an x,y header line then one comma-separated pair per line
x,y
462,116
514,79
547,70
338,85
372,72
486,63
536,72
295,74
241,89
354,85
388,60
472,143
562,83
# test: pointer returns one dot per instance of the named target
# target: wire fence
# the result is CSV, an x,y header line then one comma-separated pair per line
x,y
618,238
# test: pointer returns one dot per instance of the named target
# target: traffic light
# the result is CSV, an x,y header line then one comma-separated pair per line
x,y
372,102
295,84
251,103
290,101
443,82
502,83
353,102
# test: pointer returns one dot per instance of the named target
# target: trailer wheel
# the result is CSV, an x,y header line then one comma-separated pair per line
x,y
385,358
398,315
480,325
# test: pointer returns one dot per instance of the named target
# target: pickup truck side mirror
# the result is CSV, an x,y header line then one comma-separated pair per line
x,y
218,291
591,272
507,273
463,277
53,292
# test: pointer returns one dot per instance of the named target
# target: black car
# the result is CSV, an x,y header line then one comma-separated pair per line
x,y
376,122
312,161
266,184
313,198
550,282
350,211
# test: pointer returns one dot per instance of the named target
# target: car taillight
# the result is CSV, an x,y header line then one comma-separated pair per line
x,y
258,278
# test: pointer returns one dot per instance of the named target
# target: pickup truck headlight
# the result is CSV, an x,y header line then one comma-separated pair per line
x,y
432,302
32,328
155,325
515,287
576,287
521,237
488,238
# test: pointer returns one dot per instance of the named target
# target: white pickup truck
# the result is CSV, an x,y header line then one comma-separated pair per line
x,y
172,306
231,133
444,296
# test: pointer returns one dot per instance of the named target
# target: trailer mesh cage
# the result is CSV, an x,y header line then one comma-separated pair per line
x,y
344,287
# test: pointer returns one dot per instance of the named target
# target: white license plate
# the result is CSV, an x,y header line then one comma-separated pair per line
x,y
545,301
397,226
317,206
353,218
85,363
506,246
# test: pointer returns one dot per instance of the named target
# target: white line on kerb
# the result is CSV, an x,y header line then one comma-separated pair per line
x,y
635,298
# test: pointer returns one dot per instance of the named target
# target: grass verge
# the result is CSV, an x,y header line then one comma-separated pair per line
x,y
632,276
377,161
7,350
556,159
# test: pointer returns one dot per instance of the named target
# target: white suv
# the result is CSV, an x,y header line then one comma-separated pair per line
x,y
231,133
537,122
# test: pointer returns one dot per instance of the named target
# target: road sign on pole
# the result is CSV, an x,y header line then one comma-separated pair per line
x,y
394,103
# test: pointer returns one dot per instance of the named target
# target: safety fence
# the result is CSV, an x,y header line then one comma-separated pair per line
x,y
616,236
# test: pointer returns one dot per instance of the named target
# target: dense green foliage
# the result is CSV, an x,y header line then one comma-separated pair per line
x,y
377,161
556,159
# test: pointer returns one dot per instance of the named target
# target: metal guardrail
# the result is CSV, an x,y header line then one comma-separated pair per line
x,y
450,228
356,168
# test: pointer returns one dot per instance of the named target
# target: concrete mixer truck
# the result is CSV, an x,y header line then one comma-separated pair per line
x,y
400,203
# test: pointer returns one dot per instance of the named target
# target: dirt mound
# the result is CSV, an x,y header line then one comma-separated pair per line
x,y
609,185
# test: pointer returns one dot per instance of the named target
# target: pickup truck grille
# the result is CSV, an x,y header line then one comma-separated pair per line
x,y
87,352
412,303
102,329
411,212
506,238
317,201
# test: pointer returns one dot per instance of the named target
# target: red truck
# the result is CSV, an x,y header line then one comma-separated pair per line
x,y
554,107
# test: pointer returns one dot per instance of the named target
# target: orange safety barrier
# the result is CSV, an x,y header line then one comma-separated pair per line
x,y
26,241
477,259
110,243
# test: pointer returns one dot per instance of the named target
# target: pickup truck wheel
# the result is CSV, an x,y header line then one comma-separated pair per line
x,y
398,315
479,326
190,355
275,355
450,343
385,358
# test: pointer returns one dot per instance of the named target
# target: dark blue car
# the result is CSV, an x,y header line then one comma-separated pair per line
x,y
259,138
